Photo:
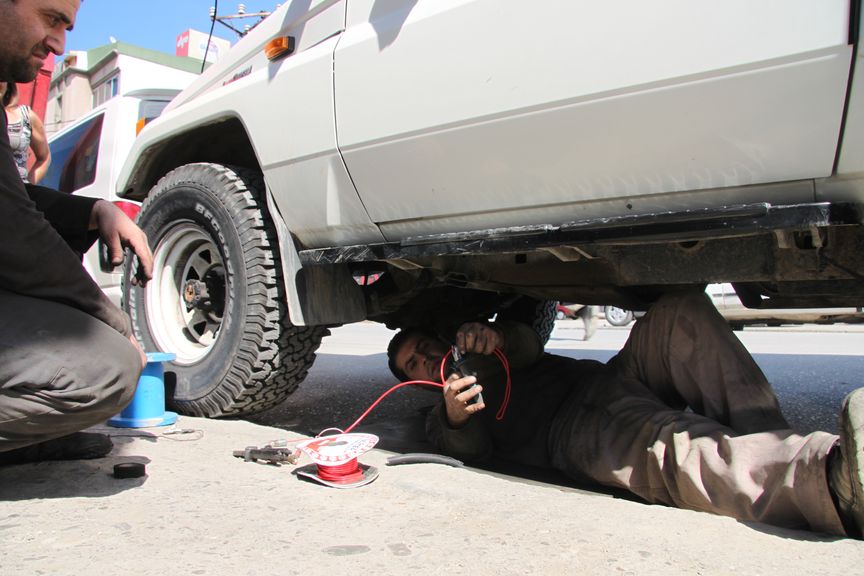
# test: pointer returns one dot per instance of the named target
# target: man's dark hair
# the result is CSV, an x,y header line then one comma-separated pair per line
x,y
397,342
11,92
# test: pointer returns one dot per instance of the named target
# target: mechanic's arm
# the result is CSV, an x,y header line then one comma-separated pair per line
x,y
69,215
450,425
118,231
75,216
519,342
470,441
35,261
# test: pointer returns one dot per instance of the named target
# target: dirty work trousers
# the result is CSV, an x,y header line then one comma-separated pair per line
x,y
61,370
684,416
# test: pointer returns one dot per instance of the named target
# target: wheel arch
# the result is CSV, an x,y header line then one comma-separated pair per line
x,y
320,295
223,141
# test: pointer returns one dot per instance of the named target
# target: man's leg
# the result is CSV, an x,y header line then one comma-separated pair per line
x,y
846,464
61,371
617,433
586,313
685,353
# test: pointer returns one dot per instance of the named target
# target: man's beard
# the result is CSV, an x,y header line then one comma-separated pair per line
x,y
23,72
20,70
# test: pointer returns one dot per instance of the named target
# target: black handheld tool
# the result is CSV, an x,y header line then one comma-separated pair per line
x,y
461,370
268,454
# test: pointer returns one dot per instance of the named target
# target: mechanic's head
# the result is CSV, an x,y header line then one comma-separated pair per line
x,y
30,31
416,354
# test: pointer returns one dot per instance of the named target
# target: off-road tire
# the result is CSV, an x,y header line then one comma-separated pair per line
x,y
213,217
539,314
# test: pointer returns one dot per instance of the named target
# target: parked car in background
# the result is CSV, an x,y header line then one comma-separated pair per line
x,y
87,156
567,310
614,315
738,315
618,316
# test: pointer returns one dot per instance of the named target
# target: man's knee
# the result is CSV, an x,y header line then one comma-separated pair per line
x,y
120,371
35,408
691,304
58,360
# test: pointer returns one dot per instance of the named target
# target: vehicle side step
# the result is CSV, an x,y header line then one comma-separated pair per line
x,y
688,225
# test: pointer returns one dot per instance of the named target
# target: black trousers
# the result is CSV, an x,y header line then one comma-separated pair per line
x,y
61,370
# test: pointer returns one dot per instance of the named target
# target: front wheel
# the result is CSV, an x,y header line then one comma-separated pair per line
x,y
217,299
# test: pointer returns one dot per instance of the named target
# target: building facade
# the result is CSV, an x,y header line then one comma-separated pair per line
x,y
88,78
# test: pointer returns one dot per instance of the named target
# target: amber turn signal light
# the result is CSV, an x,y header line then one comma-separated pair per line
x,y
279,47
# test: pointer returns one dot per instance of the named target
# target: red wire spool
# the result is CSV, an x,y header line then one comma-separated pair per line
x,y
335,460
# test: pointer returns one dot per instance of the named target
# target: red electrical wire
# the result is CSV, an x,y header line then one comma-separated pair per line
x,y
504,403
347,473
501,411
350,472
380,398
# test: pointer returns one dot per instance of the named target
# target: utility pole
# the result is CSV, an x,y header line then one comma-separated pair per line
x,y
228,20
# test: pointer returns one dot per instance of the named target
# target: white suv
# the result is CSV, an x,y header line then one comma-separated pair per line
x,y
487,156
87,156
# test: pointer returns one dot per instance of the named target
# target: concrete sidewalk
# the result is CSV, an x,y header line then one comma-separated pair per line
x,y
200,511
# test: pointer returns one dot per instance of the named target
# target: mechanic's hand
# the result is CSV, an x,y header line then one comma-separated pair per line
x,y
118,232
478,338
457,392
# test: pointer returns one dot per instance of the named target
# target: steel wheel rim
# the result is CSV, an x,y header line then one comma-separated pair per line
x,y
616,314
185,252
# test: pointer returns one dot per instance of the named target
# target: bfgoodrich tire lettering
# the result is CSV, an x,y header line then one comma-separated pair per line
x,y
216,299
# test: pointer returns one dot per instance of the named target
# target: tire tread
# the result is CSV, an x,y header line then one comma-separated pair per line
x,y
273,355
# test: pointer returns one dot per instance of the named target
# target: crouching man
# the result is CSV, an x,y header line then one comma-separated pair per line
x,y
68,359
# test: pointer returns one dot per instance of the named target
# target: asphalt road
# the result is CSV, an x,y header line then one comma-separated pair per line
x,y
203,512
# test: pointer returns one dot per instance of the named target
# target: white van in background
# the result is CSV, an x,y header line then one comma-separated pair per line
x,y
738,315
87,156
727,302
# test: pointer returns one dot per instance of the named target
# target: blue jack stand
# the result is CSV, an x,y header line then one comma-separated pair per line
x,y
148,405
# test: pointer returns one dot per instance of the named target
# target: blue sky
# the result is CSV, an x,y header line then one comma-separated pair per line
x,y
152,24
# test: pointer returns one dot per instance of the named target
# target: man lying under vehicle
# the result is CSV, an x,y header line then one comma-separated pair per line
x,y
626,423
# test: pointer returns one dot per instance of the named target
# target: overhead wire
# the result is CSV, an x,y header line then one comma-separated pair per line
x,y
210,36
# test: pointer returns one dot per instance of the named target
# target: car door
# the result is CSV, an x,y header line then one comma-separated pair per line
x,y
467,114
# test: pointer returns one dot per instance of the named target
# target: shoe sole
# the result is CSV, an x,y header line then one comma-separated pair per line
x,y
852,439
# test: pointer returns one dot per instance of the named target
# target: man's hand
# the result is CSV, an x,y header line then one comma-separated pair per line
x,y
478,338
457,392
118,232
